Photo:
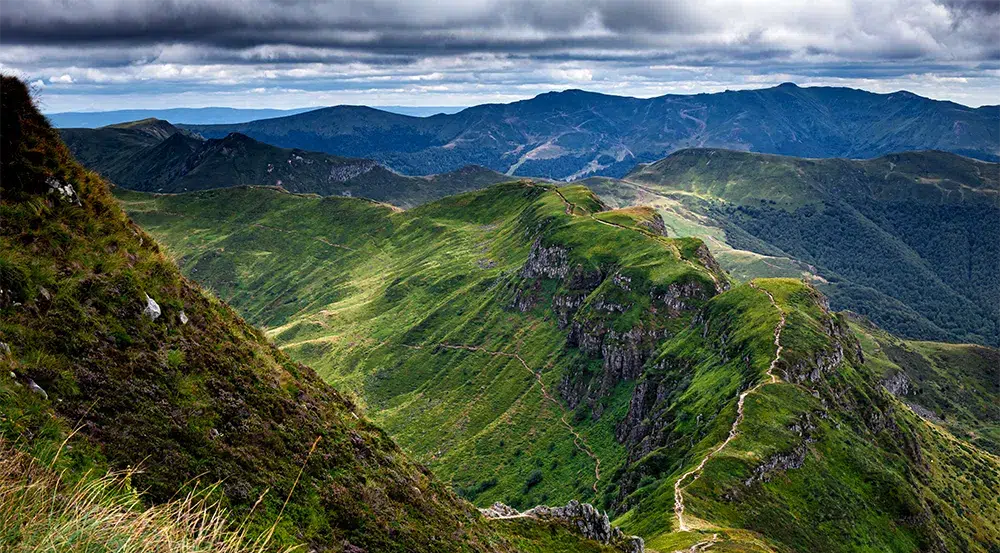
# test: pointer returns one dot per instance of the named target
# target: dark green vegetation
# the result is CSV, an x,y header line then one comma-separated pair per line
x,y
573,134
153,155
911,240
90,381
953,385
515,336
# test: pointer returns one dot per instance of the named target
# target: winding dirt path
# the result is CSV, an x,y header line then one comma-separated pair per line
x,y
695,473
578,440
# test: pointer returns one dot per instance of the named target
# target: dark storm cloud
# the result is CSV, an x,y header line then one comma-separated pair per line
x,y
493,46
973,7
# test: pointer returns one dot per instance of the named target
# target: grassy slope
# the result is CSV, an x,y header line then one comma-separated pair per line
x,y
868,475
956,384
367,295
209,400
373,298
908,239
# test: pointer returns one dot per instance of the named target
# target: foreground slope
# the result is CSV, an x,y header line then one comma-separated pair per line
x,y
153,155
112,359
533,347
910,240
574,134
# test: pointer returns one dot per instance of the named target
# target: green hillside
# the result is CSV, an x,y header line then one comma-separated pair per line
x,y
533,347
910,240
154,156
111,359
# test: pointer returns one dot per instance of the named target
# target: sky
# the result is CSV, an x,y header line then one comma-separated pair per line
x,y
116,54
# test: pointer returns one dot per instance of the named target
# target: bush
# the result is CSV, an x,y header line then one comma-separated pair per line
x,y
533,479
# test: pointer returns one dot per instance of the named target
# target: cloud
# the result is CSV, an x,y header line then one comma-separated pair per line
x,y
498,46
61,79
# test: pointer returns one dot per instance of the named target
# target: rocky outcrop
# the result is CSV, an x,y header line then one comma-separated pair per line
x,y
547,262
786,460
898,384
62,190
655,225
581,518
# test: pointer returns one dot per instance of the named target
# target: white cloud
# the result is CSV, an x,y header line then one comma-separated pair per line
x,y
61,79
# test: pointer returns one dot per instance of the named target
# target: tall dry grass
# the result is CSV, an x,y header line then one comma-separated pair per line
x,y
41,512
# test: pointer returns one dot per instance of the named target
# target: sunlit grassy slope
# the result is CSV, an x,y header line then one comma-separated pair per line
x,y
467,327
190,394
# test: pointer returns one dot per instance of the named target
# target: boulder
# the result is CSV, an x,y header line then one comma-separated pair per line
x,y
37,389
152,309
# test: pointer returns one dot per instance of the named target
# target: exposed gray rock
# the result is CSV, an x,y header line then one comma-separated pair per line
x,y
550,262
44,293
499,510
183,318
898,384
582,518
4,350
37,389
62,190
152,309
656,226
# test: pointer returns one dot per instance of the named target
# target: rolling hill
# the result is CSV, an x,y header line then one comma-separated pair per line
x,y
153,155
112,360
532,346
575,134
910,240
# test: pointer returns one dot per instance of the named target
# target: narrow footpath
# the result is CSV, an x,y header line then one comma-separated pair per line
x,y
695,473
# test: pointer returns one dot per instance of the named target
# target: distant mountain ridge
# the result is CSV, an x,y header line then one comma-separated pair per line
x,y
575,134
155,156
207,116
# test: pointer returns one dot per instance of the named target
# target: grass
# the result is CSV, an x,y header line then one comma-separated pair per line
x,y
377,319
42,511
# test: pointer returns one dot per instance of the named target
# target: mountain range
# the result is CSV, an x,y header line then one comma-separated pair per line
x,y
206,116
574,134
154,155
524,344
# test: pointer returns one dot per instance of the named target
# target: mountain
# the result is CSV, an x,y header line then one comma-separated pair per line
x,y
532,346
192,116
112,360
910,240
154,155
206,116
574,134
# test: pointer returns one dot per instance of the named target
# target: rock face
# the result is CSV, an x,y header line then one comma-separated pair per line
x,y
582,518
898,384
547,262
